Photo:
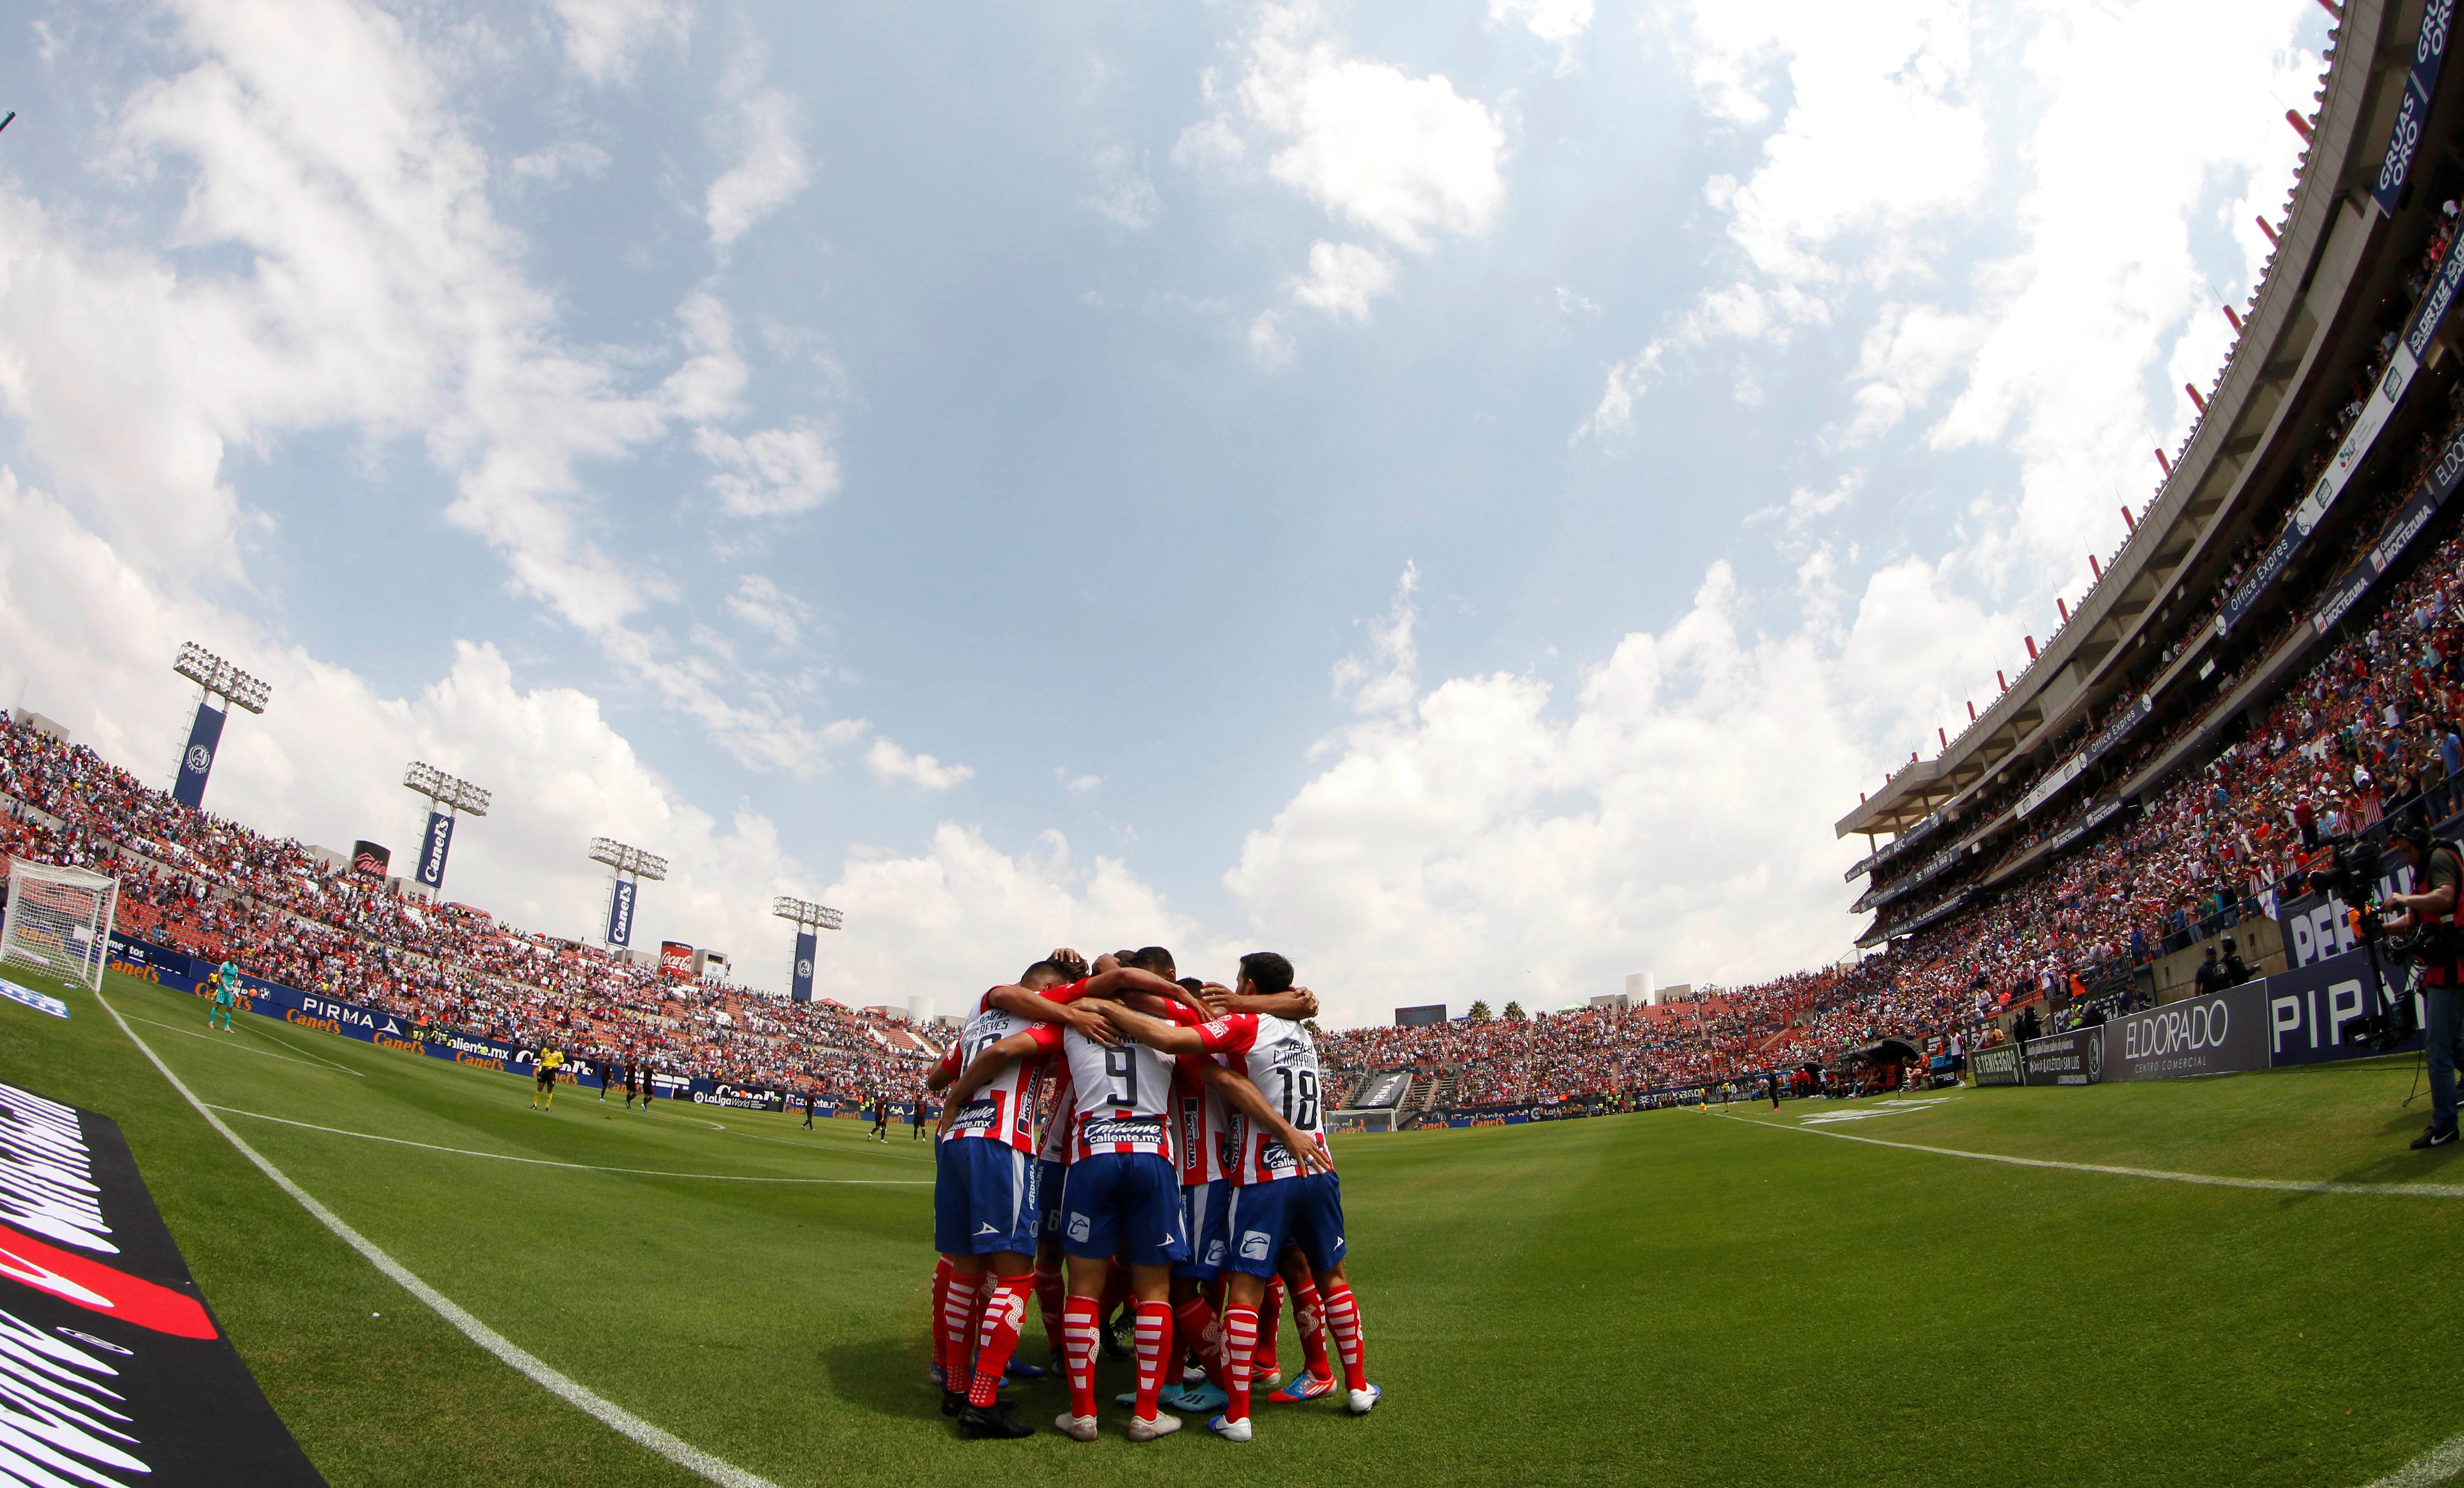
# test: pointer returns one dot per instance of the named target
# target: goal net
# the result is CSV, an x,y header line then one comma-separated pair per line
x,y
59,921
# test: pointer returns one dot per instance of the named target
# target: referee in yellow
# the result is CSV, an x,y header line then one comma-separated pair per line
x,y
550,1062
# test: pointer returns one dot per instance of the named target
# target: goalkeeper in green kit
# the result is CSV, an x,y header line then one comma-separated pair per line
x,y
226,981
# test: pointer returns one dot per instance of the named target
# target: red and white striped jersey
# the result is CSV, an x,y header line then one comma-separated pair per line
x,y
1202,1124
1122,1094
1005,1109
1281,1059
1060,1121
1066,993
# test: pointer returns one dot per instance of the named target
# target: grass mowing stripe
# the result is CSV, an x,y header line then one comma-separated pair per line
x,y
2414,1190
587,1167
261,1052
572,1392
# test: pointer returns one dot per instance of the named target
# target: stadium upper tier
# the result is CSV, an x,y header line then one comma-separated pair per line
x,y
2326,444
214,888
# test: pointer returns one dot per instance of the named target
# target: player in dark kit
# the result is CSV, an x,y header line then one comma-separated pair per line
x,y
632,1073
810,1098
880,1116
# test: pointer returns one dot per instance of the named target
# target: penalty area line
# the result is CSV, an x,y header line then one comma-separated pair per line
x,y
2409,1191
615,1417
584,1167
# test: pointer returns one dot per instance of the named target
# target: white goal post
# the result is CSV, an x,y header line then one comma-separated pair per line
x,y
59,921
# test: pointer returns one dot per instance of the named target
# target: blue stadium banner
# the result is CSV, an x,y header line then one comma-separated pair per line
x,y
433,849
2429,50
197,760
620,911
2310,1009
800,987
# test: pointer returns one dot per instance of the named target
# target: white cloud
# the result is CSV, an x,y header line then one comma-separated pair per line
x,y
604,39
1077,785
1124,196
1559,22
1343,278
1899,150
1478,834
1401,156
562,161
757,126
359,280
1270,345
765,606
923,772
771,471
87,638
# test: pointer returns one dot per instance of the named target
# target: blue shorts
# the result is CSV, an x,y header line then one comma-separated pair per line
x,y
1051,1178
1125,1204
1268,1217
1204,1210
984,1198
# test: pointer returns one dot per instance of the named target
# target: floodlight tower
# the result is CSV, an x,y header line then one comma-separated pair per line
x,y
807,919
215,678
627,868
446,795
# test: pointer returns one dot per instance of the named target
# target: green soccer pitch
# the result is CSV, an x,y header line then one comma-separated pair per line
x,y
1665,1298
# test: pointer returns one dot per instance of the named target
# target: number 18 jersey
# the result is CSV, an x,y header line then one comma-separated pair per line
x,y
1281,1059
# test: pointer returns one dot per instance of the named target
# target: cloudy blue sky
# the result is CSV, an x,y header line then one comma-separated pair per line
x,y
1465,493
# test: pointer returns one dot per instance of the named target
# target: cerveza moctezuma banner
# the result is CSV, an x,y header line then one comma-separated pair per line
x,y
183,972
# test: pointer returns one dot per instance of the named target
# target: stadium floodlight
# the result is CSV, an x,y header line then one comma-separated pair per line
x,y
447,796
220,678
817,917
449,791
215,678
628,867
59,921
628,859
807,917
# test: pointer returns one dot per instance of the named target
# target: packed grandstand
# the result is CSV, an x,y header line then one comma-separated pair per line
x,y
2268,664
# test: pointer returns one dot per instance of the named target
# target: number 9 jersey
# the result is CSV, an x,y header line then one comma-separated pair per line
x,y
1123,1093
1281,1059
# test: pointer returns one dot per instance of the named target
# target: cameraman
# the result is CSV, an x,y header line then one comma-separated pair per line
x,y
2438,873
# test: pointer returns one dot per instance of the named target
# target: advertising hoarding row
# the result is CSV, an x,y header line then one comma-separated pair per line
x,y
2301,1017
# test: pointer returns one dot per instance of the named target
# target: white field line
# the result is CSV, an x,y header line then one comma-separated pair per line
x,y
2435,1466
615,1417
584,1168
263,1053
2408,1191
2439,1464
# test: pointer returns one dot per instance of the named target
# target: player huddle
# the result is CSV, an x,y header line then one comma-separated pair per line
x,y
1182,1173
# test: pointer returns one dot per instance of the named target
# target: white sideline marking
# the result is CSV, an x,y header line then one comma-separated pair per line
x,y
2413,1191
2432,1467
245,1049
615,1417
586,1167
2435,1466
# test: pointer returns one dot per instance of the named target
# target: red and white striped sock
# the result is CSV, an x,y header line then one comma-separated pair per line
x,y
1271,1317
941,1299
958,1332
1155,1338
1309,1310
1078,1353
1004,1313
1052,1293
1194,1323
1240,1344
1343,1320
